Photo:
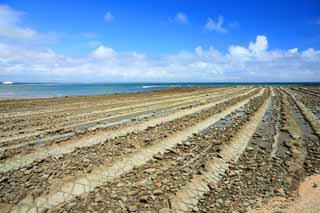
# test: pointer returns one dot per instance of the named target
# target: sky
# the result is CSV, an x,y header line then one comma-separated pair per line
x,y
159,41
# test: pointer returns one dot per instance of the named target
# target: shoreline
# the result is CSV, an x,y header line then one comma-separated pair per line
x,y
106,95
19,91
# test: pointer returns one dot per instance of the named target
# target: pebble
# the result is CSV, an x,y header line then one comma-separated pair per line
x,y
144,199
158,157
164,210
250,148
131,193
120,184
196,209
98,199
133,208
27,172
157,192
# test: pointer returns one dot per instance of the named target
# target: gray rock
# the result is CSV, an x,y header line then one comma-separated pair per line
x,y
133,208
144,199
157,192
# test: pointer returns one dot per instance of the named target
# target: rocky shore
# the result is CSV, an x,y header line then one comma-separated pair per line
x,y
224,149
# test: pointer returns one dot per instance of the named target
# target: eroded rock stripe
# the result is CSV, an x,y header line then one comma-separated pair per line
x,y
51,107
276,136
110,121
304,90
150,186
37,177
140,106
255,178
310,101
187,198
312,119
59,149
88,182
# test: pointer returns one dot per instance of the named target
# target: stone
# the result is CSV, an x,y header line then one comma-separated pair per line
x,y
250,148
45,176
133,208
196,209
158,157
144,199
157,192
120,184
3,179
113,196
98,199
219,202
164,210
150,170
131,193
124,199
27,172
227,202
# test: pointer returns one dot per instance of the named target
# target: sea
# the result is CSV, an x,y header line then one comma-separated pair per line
x,y
48,90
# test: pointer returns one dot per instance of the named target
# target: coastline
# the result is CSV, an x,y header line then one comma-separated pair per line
x,y
60,90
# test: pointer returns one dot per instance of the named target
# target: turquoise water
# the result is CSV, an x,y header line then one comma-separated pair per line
x,y
60,90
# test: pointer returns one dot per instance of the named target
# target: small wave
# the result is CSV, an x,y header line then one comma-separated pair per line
x,y
155,86
152,86
7,83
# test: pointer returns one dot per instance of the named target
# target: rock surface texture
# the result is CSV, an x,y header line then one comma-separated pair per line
x,y
215,149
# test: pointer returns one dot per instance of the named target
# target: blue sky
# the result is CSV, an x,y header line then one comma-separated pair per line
x,y
130,41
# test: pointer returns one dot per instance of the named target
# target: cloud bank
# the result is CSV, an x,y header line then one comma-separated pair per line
x,y
104,64
25,62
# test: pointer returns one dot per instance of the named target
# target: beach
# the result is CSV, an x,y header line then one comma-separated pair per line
x,y
226,148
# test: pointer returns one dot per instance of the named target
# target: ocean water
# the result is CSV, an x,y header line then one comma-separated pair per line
x,y
14,91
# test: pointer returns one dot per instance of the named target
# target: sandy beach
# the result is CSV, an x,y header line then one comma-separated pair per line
x,y
209,149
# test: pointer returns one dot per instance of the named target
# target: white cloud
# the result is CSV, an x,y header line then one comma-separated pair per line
x,y
310,53
199,50
104,64
293,50
12,29
108,17
137,55
10,25
103,52
238,51
181,18
216,26
260,45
